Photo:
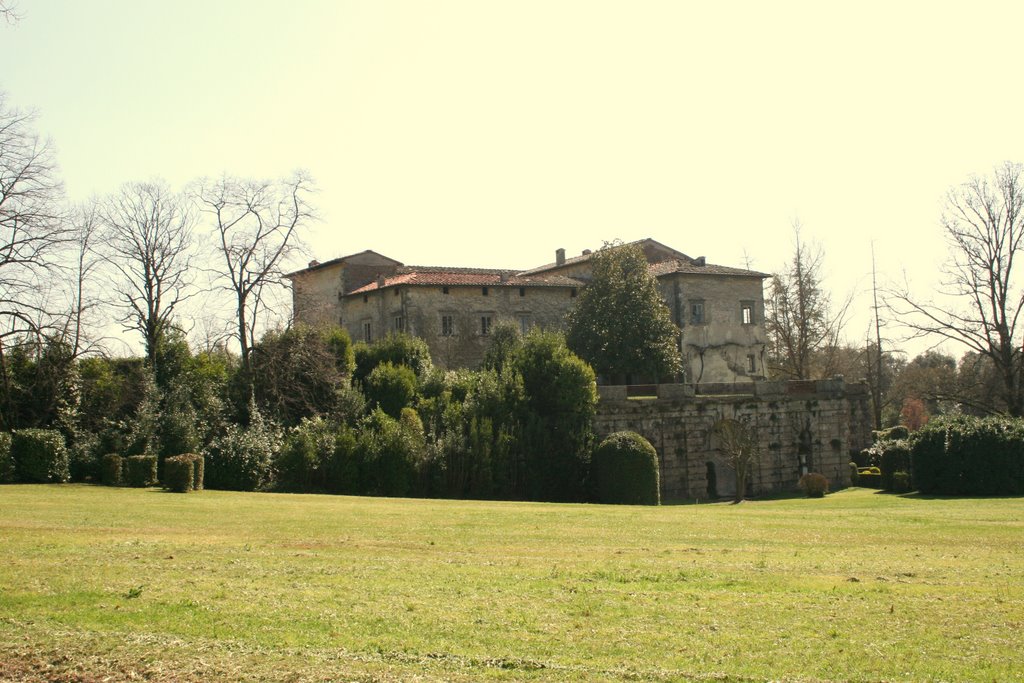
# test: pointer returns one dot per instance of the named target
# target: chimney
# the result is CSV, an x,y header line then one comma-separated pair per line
x,y
503,277
586,252
380,281
314,263
559,257
699,261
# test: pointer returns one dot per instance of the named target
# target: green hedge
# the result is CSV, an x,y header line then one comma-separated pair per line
x,y
141,470
624,470
198,471
969,456
6,459
179,473
40,455
112,469
894,456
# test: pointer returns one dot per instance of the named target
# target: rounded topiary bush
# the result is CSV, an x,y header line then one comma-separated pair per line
x,y
179,473
814,485
624,470
901,482
40,455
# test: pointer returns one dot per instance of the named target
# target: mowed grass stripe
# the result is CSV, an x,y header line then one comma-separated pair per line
x,y
858,586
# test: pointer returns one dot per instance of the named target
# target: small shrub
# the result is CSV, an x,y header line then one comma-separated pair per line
x,y
6,459
112,469
625,470
391,387
854,476
40,456
869,477
242,459
179,473
140,470
901,482
814,485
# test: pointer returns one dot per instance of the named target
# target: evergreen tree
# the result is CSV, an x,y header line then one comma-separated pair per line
x,y
620,324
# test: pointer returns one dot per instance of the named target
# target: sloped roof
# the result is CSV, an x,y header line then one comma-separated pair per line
x,y
692,267
647,241
341,259
458,277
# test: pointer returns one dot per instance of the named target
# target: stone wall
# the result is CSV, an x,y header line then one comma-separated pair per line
x,y
801,427
419,311
720,347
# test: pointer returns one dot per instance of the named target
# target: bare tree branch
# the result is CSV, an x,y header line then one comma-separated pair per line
x,y
148,248
984,225
256,226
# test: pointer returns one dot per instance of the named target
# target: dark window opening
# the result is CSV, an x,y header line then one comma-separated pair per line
x,y
366,297
444,290
485,325
572,292
485,291
522,291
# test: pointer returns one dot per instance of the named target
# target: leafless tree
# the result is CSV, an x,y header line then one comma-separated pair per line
x,y
803,329
148,247
983,222
32,225
9,11
256,226
82,263
737,442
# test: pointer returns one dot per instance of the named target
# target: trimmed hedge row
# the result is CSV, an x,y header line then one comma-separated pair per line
x,y
7,472
39,456
183,473
140,470
968,456
625,470
112,470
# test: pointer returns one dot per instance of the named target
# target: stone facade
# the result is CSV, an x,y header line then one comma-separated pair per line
x,y
719,310
802,427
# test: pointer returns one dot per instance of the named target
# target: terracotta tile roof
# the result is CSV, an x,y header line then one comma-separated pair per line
x,y
465,277
694,268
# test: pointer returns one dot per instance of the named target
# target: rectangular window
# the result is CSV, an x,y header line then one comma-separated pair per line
x,y
747,312
696,312
444,290
751,364
367,332
524,323
485,325
399,324
572,293
447,326
485,292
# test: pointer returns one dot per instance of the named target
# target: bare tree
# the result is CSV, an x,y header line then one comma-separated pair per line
x,y
803,330
256,226
82,262
984,225
737,442
148,246
32,226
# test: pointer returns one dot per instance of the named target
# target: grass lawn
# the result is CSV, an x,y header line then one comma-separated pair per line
x,y
101,583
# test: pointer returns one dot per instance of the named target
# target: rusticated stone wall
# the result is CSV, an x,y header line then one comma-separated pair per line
x,y
801,427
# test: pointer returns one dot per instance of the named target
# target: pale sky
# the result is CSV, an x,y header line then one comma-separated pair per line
x,y
474,133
